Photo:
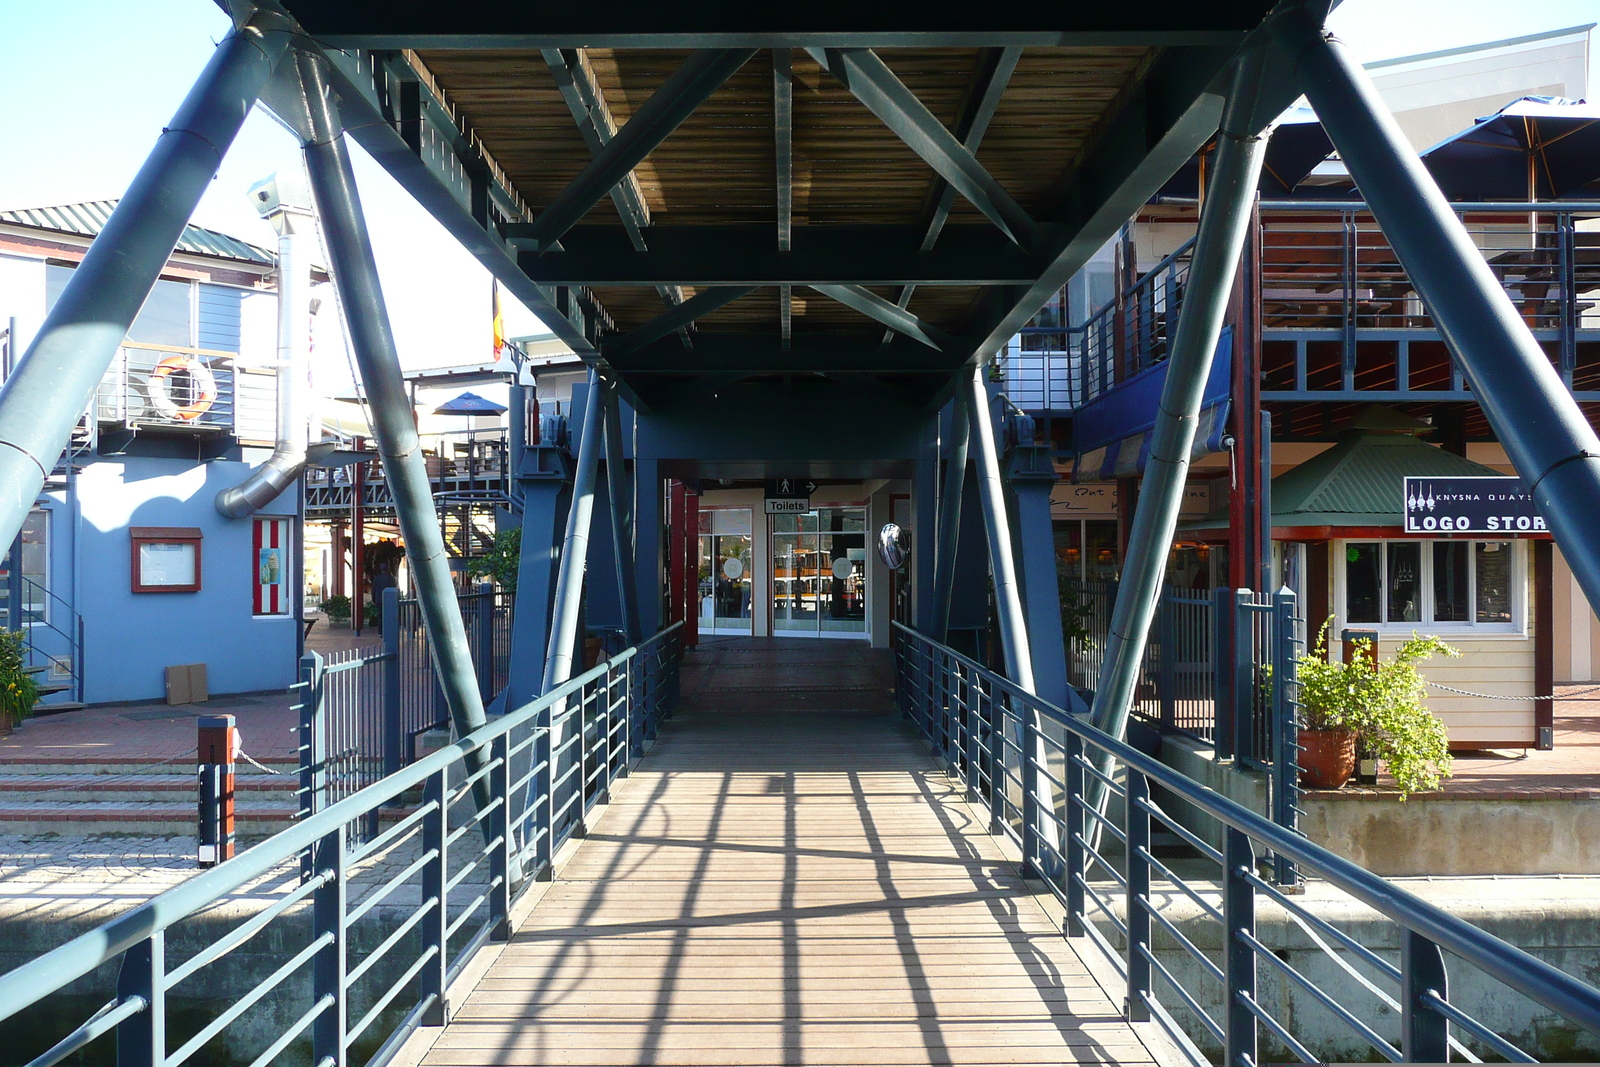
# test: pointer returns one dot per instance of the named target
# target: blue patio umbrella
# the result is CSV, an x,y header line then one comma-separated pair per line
x,y
1535,148
469,404
1296,145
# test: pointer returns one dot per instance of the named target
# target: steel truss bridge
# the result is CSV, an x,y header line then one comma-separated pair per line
x,y
787,242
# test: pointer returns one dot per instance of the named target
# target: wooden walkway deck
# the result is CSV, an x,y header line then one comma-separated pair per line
x,y
787,879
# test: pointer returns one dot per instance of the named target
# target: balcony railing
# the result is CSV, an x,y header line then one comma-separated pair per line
x,y
1328,273
167,386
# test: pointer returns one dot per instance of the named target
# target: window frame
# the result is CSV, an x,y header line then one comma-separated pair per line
x,y
139,536
1516,628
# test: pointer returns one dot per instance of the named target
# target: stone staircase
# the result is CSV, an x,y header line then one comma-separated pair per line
x,y
136,796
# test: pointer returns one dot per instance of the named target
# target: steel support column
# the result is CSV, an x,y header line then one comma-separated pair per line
x,y
355,273
955,475
1032,476
924,502
620,499
1002,562
1541,426
575,545
48,390
1216,257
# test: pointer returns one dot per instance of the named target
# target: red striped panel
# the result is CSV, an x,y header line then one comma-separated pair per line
x,y
255,560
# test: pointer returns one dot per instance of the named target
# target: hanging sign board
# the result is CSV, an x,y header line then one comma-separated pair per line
x,y
1470,505
789,496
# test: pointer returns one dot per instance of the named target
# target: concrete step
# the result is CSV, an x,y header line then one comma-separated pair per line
x,y
18,766
252,819
160,788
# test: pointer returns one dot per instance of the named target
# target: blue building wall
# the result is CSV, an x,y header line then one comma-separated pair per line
x,y
130,638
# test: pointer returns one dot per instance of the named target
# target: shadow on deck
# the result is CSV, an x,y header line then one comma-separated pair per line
x,y
787,879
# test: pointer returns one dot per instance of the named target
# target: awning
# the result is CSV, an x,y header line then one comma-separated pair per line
x,y
1111,434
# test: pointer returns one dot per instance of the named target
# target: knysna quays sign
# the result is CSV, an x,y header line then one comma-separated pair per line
x,y
1470,505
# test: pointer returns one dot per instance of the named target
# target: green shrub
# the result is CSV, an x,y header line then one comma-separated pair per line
x,y
336,608
499,564
18,690
1384,706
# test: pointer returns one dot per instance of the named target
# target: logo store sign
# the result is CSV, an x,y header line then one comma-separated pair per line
x,y
1470,505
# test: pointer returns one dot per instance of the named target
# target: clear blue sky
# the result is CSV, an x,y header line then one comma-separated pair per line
x,y
86,85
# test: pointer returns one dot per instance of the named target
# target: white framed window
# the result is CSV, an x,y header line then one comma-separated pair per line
x,y
1438,585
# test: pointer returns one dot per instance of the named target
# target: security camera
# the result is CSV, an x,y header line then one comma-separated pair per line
x,y
279,192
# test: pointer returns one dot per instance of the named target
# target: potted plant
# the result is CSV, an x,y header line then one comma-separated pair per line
x,y
1396,725
19,692
1327,735
337,609
1376,705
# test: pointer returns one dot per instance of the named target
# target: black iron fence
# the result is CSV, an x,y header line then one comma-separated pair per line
x,y
1219,667
361,710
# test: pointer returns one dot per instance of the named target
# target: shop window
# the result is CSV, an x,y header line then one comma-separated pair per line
x,y
1086,550
271,545
1433,584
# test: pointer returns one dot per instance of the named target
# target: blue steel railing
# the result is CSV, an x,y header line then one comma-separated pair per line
x,y
588,730
1017,755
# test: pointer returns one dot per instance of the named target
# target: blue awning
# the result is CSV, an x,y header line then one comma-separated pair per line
x,y
1111,434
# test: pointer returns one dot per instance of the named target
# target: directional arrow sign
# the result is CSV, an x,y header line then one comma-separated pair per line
x,y
789,496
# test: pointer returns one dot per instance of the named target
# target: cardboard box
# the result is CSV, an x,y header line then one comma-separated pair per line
x,y
186,684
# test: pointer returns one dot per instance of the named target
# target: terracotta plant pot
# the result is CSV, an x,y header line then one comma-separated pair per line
x,y
1327,758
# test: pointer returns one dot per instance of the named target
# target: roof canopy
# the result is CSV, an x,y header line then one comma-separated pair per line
x,y
1360,480
708,195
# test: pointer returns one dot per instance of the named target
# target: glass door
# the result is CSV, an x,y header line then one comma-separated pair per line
x,y
819,573
726,571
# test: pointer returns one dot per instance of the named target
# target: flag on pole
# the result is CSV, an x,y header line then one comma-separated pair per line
x,y
499,322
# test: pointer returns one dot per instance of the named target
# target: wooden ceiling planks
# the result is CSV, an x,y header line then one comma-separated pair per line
x,y
719,166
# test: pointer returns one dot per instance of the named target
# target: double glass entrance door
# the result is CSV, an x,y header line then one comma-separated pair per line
x,y
726,571
819,572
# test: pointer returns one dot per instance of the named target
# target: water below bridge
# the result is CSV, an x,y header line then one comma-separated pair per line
x,y
787,878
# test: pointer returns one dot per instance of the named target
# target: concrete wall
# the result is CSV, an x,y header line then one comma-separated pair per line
x,y
129,637
1445,834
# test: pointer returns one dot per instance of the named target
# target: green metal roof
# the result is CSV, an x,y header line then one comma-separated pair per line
x,y
89,218
1359,481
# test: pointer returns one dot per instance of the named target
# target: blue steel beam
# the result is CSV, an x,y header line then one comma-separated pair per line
x,y
955,475
737,23
763,353
995,67
1223,224
1544,432
49,388
619,499
870,304
735,254
871,81
700,75
355,273
671,321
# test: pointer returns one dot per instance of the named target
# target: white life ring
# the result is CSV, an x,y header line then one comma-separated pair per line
x,y
182,402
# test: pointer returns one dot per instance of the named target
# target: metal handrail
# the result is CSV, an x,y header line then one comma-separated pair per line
x,y
143,926
1429,926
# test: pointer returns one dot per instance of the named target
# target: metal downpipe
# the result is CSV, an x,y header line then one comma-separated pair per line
x,y
288,459
955,477
1223,223
51,386
620,488
355,274
575,545
1544,432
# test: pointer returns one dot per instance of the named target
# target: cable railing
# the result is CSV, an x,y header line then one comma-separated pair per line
x,y
365,939
167,385
1182,933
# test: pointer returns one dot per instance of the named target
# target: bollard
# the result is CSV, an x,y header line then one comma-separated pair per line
x,y
218,748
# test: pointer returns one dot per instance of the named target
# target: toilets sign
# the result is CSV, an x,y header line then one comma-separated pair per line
x,y
1470,505
789,496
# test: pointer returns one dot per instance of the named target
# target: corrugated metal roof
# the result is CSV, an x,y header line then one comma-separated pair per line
x,y
89,218
1357,482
